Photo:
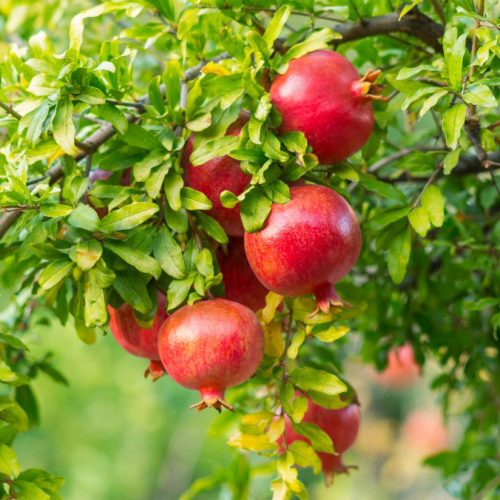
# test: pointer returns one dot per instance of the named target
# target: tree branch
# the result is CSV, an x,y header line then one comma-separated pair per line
x,y
414,23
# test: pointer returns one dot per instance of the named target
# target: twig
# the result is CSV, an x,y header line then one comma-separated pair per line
x,y
436,4
356,10
139,105
430,181
10,110
400,154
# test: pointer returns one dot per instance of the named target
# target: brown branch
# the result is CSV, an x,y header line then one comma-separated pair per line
x,y
414,23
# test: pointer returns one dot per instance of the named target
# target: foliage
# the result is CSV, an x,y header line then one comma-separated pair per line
x,y
124,91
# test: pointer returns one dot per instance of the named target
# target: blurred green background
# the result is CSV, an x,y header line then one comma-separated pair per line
x,y
114,435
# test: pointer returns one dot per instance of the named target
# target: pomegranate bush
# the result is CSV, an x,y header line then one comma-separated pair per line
x,y
198,178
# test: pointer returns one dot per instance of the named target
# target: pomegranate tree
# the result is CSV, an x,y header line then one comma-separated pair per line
x,y
307,245
240,283
341,425
322,95
209,346
218,175
136,339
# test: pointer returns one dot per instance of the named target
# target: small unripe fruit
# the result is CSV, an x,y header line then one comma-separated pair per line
x,y
210,346
307,245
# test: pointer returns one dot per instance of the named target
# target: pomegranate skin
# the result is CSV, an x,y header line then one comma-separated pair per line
x,y
210,346
306,245
240,283
321,95
217,175
139,341
341,425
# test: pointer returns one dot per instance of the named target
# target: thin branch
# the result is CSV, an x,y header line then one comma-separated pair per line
x,y
10,110
430,180
401,154
138,105
436,5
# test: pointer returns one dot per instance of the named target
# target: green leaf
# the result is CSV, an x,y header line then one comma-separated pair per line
x,y
305,456
12,413
129,216
114,115
316,41
132,289
252,443
8,462
214,149
317,380
92,96
178,291
278,191
84,217
453,123
454,50
156,96
34,122
276,25
25,490
140,260
63,126
142,168
384,189
173,187
451,160
419,219
55,272
255,209
386,217
95,305
172,78
399,254
480,95
327,333
205,263
194,200
431,101
85,254
318,438
408,7
212,228
433,203
169,254
55,210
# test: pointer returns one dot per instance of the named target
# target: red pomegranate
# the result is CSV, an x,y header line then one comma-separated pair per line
x,y
425,432
307,245
401,371
341,425
135,339
210,346
322,95
240,283
218,175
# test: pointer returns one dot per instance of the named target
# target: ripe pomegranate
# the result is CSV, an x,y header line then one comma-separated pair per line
x,y
425,432
218,175
341,425
240,282
401,371
135,339
210,346
306,245
322,95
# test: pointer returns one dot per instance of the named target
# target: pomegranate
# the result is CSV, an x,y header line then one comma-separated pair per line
x,y
135,339
425,432
240,282
306,245
210,346
401,371
218,175
341,425
322,95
